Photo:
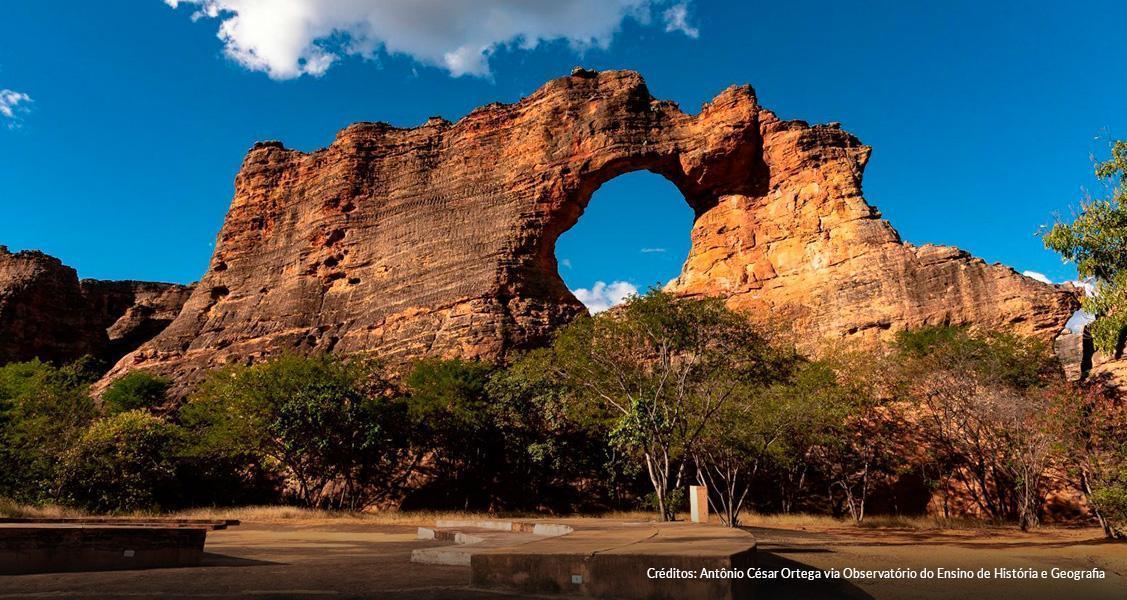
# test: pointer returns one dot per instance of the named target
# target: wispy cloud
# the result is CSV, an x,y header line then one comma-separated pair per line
x,y
1038,276
566,263
677,19
602,296
290,38
653,250
12,105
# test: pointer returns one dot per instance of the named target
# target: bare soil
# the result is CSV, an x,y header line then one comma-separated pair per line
x,y
305,556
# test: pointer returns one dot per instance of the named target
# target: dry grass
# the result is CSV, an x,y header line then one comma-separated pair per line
x,y
12,509
811,521
383,517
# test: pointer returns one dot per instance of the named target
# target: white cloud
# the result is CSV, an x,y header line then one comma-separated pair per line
x,y
602,295
677,19
1088,285
652,250
1078,320
12,104
289,38
1035,275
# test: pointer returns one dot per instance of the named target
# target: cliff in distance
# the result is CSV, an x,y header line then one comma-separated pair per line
x,y
440,239
46,312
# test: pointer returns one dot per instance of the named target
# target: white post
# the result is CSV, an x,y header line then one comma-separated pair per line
x,y
698,503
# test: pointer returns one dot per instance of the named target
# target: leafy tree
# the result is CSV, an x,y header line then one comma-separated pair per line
x,y
554,460
326,423
137,390
658,370
43,411
453,421
121,463
1096,241
769,426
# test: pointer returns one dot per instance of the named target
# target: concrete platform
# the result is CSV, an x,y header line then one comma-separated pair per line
x,y
60,545
468,538
599,558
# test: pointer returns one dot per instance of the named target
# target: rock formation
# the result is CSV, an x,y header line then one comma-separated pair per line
x,y
47,313
440,240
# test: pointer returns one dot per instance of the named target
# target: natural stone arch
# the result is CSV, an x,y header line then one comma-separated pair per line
x,y
570,212
577,208
438,240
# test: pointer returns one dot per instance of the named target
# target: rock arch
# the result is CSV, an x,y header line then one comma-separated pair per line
x,y
438,240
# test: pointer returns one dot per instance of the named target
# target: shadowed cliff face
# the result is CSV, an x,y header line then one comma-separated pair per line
x,y
439,240
47,313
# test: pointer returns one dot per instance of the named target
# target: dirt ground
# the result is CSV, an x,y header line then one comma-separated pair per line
x,y
350,559
966,549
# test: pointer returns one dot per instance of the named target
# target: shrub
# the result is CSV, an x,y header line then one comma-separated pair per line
x,y
135,391
121,463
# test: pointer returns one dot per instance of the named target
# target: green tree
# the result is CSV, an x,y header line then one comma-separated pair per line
x,y
1096,240
326,423
123,462
658,370
43,411
137,390
773,427
553,461
454,424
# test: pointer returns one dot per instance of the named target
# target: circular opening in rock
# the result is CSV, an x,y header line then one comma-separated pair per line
x,y
633,235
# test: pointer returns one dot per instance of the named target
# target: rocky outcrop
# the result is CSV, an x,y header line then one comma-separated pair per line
x,y
47,313
40,310
132,312
440,240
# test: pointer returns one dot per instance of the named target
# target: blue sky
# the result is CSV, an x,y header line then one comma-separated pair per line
x,y
129,118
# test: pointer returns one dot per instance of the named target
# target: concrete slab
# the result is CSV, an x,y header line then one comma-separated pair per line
x,y
51,545
49,548
466,544
621,560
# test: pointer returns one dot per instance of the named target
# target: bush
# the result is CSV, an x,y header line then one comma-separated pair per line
x,y
121,463
135,391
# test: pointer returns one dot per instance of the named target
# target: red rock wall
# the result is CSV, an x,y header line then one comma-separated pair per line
x,y
47,313
440,240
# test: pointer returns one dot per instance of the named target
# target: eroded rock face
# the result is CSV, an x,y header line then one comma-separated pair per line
x,y
440,240
47,313
132,312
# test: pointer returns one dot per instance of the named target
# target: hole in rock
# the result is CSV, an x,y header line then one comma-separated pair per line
x,y
633,235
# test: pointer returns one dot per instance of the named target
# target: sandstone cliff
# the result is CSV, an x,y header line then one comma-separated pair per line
x,y
47,313
439,240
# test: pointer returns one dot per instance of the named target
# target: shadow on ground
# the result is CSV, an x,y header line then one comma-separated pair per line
x,y
775,559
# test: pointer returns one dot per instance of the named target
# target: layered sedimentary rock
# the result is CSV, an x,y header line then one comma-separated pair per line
x,y
440,239
47,313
